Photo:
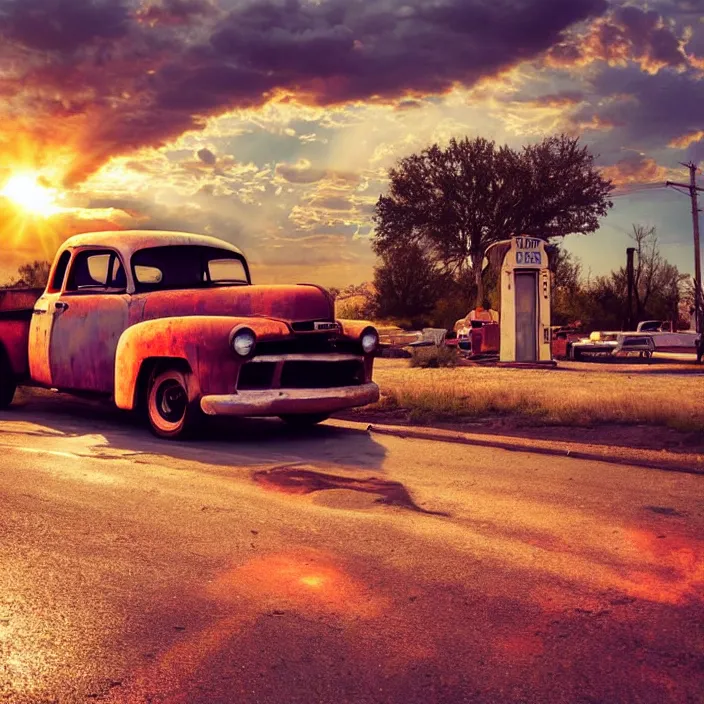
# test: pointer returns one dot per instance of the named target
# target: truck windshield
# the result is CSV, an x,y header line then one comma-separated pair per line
x,y
187,266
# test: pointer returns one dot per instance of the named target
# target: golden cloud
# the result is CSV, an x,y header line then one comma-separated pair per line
x,y
687,140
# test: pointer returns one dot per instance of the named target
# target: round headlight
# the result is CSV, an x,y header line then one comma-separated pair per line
x,y
243,342
370,340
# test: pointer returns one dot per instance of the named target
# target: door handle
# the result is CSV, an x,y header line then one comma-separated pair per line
x,y
60,305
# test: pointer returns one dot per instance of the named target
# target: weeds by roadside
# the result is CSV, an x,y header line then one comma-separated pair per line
x,y
434,357
564,396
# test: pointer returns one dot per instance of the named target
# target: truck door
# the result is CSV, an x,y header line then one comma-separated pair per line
x,y
87,321
42,321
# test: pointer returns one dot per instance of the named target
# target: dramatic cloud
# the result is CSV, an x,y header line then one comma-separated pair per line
x,y
302,172
564,99
627,34
687,140
175,12
272,123
654,110
207,157
637,170
88,79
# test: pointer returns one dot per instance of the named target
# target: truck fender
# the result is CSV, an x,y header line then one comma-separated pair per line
x,y
353,329
198,344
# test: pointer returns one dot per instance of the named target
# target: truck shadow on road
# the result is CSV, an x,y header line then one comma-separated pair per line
x,y
119,435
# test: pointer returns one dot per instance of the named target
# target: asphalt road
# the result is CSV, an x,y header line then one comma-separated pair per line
x,y
263,565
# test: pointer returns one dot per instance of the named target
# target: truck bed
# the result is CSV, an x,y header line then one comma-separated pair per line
x,y
16,306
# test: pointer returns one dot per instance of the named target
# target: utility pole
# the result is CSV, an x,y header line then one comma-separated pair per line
x,y
629,269
693,192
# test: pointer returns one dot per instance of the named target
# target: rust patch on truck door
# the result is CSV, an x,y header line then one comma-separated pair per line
x,y
84,337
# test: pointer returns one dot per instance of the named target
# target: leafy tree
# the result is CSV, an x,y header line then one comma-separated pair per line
x,y
407,283
455,202
32,275
568,288
356,302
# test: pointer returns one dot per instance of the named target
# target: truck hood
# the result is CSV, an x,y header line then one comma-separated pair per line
x,y
290,304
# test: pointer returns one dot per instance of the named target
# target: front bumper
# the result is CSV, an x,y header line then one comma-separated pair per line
x,y
274,402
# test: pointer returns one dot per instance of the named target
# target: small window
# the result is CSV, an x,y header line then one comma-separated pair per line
x,y
98,268
97,272
226,271
148,274
60,271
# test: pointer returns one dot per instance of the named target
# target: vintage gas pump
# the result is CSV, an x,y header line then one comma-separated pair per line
x,y
525,300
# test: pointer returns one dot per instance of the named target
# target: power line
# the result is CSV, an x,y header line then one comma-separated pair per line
x,y
639,189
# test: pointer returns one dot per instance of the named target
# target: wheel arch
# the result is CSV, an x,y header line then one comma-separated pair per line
x,y
149,368
140,348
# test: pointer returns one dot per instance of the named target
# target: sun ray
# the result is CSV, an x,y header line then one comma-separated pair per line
x,y
27,191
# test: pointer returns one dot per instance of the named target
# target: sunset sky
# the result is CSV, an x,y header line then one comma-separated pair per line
x,y
271,123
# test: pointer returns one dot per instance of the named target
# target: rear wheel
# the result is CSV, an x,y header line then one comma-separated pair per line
x,y
305,420
8,383
170,412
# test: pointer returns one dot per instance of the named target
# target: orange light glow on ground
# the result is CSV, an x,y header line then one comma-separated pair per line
x,y
26,191
678,574
312,581
295,587
306,581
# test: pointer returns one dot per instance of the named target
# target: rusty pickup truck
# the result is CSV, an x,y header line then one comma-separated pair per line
x,y
171,325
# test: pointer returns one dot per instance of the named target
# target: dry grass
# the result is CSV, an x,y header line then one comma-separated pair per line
x,y
573,394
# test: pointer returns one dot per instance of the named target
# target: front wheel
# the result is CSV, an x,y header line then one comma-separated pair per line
x,y
172,415
8,384
305,420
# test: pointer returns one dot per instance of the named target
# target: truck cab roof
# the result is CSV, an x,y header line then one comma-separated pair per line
x,y
127,242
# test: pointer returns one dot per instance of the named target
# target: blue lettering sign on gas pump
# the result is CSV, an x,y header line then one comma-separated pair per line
x,y
528,252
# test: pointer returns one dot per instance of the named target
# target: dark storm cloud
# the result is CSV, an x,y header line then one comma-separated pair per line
x,y
61,26
207,157
109,76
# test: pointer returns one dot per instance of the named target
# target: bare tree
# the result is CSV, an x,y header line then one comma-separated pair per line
x,y
658,285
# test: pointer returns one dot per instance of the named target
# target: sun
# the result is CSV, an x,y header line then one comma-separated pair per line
x,y
27,191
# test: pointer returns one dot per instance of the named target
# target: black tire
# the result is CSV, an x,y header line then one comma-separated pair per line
x,y
171,413
8,383
304,420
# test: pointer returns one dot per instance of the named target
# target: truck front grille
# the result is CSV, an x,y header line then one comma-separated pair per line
x,y
256,376
311,343
300,374
321,375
